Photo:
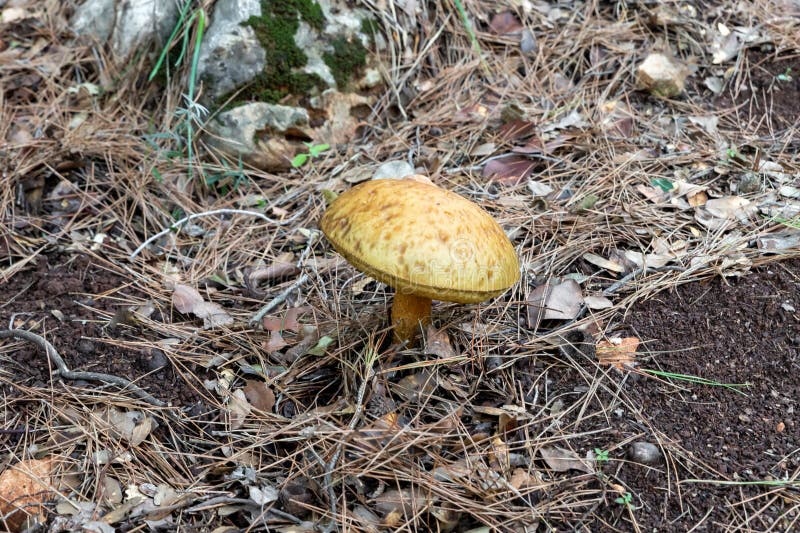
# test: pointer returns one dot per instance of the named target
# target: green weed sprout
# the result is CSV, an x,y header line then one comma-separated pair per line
x,y
785,76
625,499
314,150
601,456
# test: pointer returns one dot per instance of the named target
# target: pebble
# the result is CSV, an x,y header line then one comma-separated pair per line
x,y
85,346
644,453
157,360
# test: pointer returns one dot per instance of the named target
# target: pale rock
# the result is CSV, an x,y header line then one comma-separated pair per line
x,y
662,75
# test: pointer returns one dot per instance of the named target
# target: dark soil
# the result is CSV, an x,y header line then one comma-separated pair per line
x,y
735,330
68,300
767,100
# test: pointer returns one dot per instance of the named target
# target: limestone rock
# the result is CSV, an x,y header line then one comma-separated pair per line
x,y
257,133
662,75
129,25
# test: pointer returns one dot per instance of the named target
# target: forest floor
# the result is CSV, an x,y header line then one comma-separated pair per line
x,y
664,396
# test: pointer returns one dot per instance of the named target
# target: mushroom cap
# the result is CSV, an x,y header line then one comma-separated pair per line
x,y
422,240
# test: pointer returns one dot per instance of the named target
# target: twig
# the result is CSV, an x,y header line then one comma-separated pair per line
x,y
275,302
66,373
177,225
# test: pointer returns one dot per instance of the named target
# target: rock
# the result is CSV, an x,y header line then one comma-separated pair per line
x,y
257,133
644,453
393,169
247,48
230,54
129,26
662,75
527,43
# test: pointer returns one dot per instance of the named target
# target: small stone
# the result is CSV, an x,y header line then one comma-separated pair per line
x,y
528,43
662,75
393,170
157,360
85,346
645,453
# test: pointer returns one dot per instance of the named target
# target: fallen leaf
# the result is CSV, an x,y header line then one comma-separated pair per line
x,y
601,262
437,343
509,169
562,460
483,150
550,301
25,489
574,119
618,352
187,300
597,302
131,426
238,408
263,495
275,342
259,395
697,199
516,129
472,113
504,23
403,503
284,266
416,387
538,188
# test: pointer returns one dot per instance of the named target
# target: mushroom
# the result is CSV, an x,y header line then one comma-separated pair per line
x,y
426,242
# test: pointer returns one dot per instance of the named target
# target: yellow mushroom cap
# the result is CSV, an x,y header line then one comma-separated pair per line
x,y
422,240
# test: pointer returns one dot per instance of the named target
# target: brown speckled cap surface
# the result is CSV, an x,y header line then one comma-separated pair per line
x,y
423,240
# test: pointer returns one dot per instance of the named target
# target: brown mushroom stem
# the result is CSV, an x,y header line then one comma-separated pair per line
x,y
408,311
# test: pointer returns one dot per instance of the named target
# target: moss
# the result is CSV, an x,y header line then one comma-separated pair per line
x,y
346,59
275,30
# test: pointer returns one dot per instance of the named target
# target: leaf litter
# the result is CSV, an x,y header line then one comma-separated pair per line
x,y
633,195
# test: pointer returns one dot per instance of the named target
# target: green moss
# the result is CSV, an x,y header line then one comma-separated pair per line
x,y
275,30
347,58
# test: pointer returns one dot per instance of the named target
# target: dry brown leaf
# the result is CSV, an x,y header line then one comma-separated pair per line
x,y
275,342
549,301
562,460
416,387
505,23
259,395
619,352
131,426
472,113
238,408
25,490
342,112
509,169
187,300
437,342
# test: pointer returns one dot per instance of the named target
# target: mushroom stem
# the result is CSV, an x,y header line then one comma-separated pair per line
x,y
408,311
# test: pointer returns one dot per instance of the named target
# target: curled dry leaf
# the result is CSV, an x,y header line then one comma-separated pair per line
x,y
25,490
437,342
505,23
509,169
618,352
416,387
597,302
284,266
131,426
259,395
275,342
396,505
187,300
562,460
238,408
611,266
550,301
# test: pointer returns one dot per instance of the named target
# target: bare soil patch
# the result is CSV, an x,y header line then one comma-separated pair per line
x,y
81,308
